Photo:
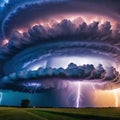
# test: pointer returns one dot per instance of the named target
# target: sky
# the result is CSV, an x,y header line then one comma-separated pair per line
x,y
60,53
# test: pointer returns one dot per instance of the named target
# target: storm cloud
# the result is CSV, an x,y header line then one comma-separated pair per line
x,y
64,30
46,77
93,38
41,41
13,11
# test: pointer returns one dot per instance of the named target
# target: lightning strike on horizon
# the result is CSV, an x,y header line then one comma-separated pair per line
x,y
116,97
1,97
78,95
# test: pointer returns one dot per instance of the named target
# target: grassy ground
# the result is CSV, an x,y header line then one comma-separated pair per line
x,y
59,114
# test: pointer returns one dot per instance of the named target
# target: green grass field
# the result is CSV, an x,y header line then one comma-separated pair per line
x,y
59,114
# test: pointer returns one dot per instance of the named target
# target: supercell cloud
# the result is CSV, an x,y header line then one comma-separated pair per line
x,y
49,44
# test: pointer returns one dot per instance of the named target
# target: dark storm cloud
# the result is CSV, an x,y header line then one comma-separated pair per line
x,y
15,11
19,9
86,72
15,81
92,38
94,35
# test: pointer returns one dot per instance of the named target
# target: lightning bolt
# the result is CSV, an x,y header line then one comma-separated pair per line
x,y
78,95
116,97
1,97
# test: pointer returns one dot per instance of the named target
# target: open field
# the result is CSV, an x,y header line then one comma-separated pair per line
x,y
7,113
